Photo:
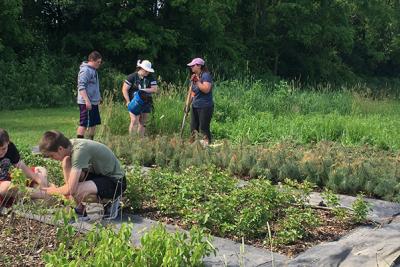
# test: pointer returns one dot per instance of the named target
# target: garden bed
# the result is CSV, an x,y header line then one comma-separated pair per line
x,y
28,242
330,229
24,241
274,217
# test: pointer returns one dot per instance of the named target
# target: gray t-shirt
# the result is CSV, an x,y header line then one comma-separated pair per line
x,y
96,157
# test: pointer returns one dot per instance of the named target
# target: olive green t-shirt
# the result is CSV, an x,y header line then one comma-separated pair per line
x,y
95,157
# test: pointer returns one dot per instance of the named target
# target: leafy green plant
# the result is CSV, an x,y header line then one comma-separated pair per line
x,y
18,181
333,201
54,170
294,225
105,247
213,199
64,214
162,249
360,208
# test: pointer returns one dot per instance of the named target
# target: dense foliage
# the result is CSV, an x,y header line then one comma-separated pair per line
x,y
106,247
313,41
228,206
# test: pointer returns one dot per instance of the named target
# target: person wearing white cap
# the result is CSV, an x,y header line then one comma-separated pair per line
x,y
202,99
137,91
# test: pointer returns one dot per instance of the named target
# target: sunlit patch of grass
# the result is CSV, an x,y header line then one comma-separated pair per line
x,y
26,127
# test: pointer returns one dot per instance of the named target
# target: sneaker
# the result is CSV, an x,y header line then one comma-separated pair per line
x,y
204,143
82,216
112,208
4,210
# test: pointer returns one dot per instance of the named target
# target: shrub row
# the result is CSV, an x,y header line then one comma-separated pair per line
x,y
327,164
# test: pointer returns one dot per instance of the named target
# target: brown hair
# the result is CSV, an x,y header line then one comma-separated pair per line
x,y
52,140
204,68
4,137
94,56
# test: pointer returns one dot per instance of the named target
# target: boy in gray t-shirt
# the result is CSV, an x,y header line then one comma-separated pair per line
x,y
89,168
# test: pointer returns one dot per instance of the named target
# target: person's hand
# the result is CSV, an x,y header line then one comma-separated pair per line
x,y
49,190
42,176
194,78
40,171
195,90
88,105
127,103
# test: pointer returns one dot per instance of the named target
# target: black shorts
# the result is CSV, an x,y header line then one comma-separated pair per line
x,y
89,118
107,187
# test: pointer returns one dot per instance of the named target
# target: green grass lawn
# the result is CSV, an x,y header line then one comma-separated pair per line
x,y
26,127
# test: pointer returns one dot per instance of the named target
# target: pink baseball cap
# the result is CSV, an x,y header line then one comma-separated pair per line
x,y
196,61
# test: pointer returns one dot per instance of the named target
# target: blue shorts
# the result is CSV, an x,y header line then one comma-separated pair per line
x,y
89,118
147,108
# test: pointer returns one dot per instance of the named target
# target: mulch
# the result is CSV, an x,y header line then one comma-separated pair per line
x,y
24,241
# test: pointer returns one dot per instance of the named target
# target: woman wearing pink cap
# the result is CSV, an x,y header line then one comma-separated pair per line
x,y
202,99
137,91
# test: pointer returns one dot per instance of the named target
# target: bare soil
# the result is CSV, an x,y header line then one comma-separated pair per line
x,y
24,241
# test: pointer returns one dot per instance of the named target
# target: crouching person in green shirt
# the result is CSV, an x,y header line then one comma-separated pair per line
x,y
89,168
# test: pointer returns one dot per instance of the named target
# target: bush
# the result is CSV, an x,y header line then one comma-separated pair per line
x,y
37,82
105,247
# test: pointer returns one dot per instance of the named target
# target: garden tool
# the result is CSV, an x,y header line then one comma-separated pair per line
x,y
187,108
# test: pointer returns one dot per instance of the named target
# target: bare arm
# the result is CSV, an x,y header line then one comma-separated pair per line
x,y
66,167
86,98
204,87
152,89
29,173
125,89
70,186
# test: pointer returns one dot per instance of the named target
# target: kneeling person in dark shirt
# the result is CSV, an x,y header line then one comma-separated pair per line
x,y
9,158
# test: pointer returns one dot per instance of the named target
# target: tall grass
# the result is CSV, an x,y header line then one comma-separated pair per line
x,y
244,110
270,112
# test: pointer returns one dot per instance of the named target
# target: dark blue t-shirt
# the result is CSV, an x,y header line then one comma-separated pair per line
x,y
10,158
200,99
135,83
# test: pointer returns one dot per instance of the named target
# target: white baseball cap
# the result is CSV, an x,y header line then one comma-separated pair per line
x,y
146,65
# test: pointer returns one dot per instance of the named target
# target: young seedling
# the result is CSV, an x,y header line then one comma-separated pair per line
x,y
360,208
